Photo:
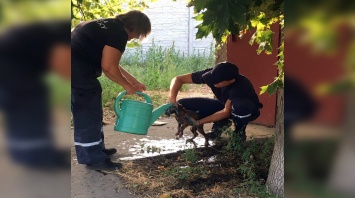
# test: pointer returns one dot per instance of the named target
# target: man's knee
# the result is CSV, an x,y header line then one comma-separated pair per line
x,y
184,101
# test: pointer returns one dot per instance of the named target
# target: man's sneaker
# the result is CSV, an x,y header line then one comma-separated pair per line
x,y
218,128
105,165
110,151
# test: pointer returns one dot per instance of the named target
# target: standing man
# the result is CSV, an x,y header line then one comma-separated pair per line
x,y
236,98
97,46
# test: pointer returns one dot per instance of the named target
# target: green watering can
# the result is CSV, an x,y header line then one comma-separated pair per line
x,y
136,117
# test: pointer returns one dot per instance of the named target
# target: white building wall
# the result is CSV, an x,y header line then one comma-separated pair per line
x,y
172,22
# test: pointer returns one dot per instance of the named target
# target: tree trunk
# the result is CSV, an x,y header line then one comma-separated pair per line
x,y
220,52
275,180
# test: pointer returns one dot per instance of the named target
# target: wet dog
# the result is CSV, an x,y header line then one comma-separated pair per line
x,y
182,117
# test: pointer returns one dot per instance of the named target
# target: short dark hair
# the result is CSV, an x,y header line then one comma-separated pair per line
x,y
136,21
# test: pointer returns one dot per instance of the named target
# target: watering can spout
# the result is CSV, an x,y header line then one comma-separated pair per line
x,y
158,111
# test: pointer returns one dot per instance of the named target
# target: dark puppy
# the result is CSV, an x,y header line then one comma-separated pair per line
x,y
182,117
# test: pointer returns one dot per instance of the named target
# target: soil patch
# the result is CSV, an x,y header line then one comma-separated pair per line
x,y
199,172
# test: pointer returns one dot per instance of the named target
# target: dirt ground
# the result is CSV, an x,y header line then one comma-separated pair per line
x,y
88,183
132,150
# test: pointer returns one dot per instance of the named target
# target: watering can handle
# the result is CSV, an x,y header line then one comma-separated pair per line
x,y
123,93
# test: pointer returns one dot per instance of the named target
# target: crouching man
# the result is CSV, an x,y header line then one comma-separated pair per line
x,y
236,98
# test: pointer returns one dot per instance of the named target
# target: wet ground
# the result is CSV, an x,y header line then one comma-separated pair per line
x,y
159,140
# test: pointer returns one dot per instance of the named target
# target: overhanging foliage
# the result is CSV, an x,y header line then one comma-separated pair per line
x,y
224,17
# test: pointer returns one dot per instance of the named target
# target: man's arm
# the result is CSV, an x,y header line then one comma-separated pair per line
x,y
131,79
219,115
176,84
110,66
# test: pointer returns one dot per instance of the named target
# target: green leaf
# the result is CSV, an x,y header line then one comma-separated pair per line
x,y
222,13
260,26
209,17
271,88
87,5
280,64
198,5
263,89
199,17
216,34
238,10
258,2
224,37
202,31
268,48
267,33
254,23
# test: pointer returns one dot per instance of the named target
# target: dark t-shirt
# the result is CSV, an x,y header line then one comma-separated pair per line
x,y
242,87
87,42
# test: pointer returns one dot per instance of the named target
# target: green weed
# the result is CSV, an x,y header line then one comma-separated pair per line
x,y
256,158
190,155
187,172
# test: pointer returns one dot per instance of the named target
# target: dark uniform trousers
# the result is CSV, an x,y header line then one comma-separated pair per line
x,y
243,110
86,106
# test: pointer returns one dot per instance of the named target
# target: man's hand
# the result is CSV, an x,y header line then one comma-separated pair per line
x,y
130,89
140,87
171,110
192,121
172,101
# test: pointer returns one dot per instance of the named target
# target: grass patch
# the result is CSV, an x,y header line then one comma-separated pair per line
x,y
156,66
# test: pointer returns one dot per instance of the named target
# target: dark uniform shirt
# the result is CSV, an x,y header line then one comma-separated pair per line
x,y
87,42
242,87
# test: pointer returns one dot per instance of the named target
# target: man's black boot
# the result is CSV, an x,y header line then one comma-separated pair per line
x,y
240,131
218,128
110,151
105,165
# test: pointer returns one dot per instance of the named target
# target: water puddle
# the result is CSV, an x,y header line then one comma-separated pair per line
x,y
211,159
148,148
